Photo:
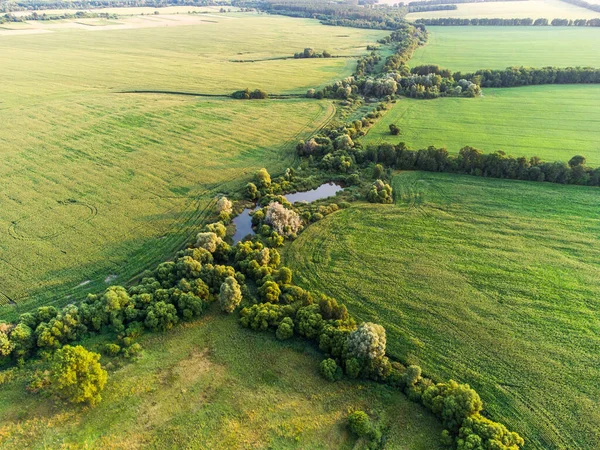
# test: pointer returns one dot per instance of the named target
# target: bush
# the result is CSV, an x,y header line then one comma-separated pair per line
x,y
285,330
208,241
478,432
452,402
394,129
263,179
161,316
224,205
380,193
269,292
230,295
367,342
330,370
284,221
360,424
112,349
76,375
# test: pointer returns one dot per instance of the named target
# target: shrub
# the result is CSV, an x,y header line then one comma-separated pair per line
x,y
208,241
285,330
367,342
394,129
218,228
224,205
261,316
330,370
380,193
269,292
452,402
284,221
112,349
230,295
360,424
478,432
77,376
263,179
251,191
161,316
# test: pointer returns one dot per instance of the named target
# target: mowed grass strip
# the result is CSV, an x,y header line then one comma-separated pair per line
x,y
214,385
472,48
554,122
490,282
114,184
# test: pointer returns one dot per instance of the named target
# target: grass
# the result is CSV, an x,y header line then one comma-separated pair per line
x,y
471,48
214,385
99,183
552,122
490,282
548,9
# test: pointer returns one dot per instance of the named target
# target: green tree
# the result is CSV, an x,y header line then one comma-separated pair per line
x,y
263,179
330,370
285,330
230,295
77,376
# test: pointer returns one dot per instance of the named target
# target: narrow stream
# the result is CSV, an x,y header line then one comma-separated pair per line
x,y
243,221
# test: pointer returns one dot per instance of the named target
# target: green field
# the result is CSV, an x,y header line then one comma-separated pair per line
x,y
553,122
491,282
98,184
472,48
214,385
548,9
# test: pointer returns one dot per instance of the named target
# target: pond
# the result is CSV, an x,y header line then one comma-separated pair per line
x,y
243,221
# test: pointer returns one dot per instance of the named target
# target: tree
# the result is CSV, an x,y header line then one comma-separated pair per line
x,y
330,370
161,316
230,295
224,208
394,129
284,221
359,423
285,330
263,179
77,376
251,191
367,341
269,292
577,161
208,241
380,193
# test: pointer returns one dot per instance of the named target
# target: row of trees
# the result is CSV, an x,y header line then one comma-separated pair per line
x,y
9,18
310,53
246,94
359,352
442,2
525,22
527,76
37,5
426,8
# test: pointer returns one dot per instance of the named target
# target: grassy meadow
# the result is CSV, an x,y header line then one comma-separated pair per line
x,y
554,122
212,384
98,184
548,9
486,281
471,48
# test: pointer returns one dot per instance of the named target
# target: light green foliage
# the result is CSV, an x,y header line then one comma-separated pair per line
x,y
492,256
380,192
261,316
284,221
269,292
480,433
503,119
468,49
452,402
218,228
77,376
262,178
330,370
230,295
208,241
359,423
367,341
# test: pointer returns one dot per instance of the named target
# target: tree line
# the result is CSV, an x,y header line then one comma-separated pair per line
x,y
443,2
426,8
510,22
94,4
527,76
11,18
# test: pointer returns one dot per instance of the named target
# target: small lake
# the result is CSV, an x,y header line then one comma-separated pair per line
x,y
243,221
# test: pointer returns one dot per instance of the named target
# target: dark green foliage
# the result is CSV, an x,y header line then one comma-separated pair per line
x,y
309,321
452,403
161,316
261,316
330,370
285,330
394,129
478,432
518,22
